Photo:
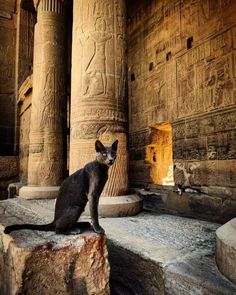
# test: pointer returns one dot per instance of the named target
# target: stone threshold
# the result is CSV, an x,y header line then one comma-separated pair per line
x,y
188,204
149,254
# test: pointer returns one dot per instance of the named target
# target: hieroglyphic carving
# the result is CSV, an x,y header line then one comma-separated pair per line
x,y
94,81
50,166
48,102
107,114
7,59
211,137
204,86
95,129
99,35
186,80
98,83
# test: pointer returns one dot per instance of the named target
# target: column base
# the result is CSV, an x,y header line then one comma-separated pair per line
x,y
120,206
226,249
39,192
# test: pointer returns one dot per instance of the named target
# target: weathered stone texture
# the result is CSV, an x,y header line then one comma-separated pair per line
x,y
166,254
25,49
8,6
46,161
7,76
185,76
33,262
98,102
226,249
24,104
8,173
211,206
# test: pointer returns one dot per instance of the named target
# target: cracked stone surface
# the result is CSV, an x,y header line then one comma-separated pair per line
x,y
164,254
43,263
149,253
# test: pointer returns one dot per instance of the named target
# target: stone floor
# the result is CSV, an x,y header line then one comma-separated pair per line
x,y
152,254
171,255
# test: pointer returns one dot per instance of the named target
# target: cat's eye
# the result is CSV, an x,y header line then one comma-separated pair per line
x,y
104,154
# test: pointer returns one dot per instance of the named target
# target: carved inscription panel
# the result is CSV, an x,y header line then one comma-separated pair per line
x,y
180,66
99,57
181,69
98,102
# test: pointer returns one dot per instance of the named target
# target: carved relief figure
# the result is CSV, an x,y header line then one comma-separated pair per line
x,y
47,102
49,166
219,85
95,80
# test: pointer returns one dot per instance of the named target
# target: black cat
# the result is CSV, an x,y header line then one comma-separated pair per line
x,y
76,190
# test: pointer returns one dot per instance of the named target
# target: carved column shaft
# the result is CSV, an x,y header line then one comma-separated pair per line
x,y
98,102
45,166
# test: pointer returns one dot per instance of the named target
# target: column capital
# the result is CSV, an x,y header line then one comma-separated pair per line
x,y
50,5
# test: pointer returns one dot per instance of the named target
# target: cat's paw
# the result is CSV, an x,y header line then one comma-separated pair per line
x,y
99,230
76,231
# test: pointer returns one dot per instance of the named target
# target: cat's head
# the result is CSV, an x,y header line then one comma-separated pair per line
x,y
106,154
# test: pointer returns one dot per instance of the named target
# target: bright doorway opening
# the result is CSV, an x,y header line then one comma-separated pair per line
x,y
160,154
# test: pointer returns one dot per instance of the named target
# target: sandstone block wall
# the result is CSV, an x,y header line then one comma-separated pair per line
x,y
7,75
181,59
8,173
16,57
24,105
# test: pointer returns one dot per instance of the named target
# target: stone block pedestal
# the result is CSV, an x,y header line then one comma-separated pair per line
x,y
39,192
120,206
43,263
226,249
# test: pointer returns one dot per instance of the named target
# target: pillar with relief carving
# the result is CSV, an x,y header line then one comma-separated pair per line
x,y
46,163
98,99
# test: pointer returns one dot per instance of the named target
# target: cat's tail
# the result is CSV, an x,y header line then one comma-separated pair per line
x,y
42,227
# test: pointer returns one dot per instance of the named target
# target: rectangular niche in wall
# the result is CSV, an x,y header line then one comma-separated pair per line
x,y
159,154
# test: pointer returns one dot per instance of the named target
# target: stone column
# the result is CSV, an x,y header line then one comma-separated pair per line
x,y
45,167
98,100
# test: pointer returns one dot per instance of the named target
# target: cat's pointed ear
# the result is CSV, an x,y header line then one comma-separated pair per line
x,y
114,145
99,146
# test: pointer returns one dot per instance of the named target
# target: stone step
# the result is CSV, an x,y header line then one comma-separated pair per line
x,y
149,254
153,254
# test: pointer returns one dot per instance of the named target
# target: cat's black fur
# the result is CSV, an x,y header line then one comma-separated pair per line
x,y
76,190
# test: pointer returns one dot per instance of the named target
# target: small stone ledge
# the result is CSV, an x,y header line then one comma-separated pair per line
x,y
226,249
197,205
120,206
39,192
43,263
163,254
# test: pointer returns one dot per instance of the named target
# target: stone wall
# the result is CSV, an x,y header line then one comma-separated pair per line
x,y
181,57
24,104
7,75
27,20
8,173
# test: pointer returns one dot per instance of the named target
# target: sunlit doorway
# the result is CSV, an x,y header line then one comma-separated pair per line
x,y
159,154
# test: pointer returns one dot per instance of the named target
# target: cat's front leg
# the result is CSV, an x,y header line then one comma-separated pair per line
x,y
93,207
98,229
